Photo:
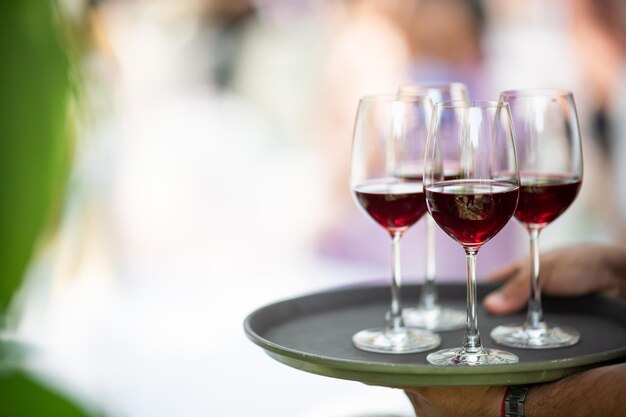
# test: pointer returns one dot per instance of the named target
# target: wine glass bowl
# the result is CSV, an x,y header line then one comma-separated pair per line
x,y
394,205
429,313
472,211
551,169
476,204
544,197
387,136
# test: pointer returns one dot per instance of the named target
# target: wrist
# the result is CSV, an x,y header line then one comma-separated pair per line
x,y
514,401
491,401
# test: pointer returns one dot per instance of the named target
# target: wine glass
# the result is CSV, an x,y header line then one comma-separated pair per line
x,y
386,130
551,170
473,207
429,313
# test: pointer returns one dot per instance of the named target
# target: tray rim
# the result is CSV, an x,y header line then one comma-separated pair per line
x,y
386,373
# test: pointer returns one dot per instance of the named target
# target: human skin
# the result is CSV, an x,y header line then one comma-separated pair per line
x,y
597,392
565,272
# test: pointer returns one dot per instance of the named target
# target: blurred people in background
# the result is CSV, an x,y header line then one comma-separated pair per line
x,y
447,43
599,32
375,47
369,51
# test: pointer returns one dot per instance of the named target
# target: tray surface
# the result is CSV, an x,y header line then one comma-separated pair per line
x,y
313,333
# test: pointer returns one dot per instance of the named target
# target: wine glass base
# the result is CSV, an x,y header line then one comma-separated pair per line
x,y
405,340
545,337
438,319
460,357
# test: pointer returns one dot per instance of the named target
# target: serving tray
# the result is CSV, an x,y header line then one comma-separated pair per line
x,y
313,333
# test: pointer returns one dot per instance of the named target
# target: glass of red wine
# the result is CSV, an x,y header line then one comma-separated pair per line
x,y
475,205
386,131
551,170
429,313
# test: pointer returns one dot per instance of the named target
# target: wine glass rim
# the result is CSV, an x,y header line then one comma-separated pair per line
x,y
391,97
439,85
536,92
462,104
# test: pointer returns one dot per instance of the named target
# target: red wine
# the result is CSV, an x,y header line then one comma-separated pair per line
x,y
395,205
472,211
543,198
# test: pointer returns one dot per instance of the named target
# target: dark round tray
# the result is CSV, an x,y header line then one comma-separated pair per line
x,y
313,333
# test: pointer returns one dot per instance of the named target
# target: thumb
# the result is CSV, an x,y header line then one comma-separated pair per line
x,y
509,298
506,273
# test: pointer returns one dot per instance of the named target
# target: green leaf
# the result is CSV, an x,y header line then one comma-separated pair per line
x,y
35,139
20,396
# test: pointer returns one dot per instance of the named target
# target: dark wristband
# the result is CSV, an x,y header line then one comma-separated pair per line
x,y
514,399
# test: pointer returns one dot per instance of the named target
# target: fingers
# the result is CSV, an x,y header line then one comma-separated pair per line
x,y
505,273
511,297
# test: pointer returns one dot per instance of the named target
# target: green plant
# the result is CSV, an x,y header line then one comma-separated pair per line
x,y
35,148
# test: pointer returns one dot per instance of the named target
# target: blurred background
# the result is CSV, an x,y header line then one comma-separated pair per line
x,y
169,166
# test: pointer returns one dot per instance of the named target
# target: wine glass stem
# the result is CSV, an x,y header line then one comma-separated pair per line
x,y
534,318
472,343
395,314
428,295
